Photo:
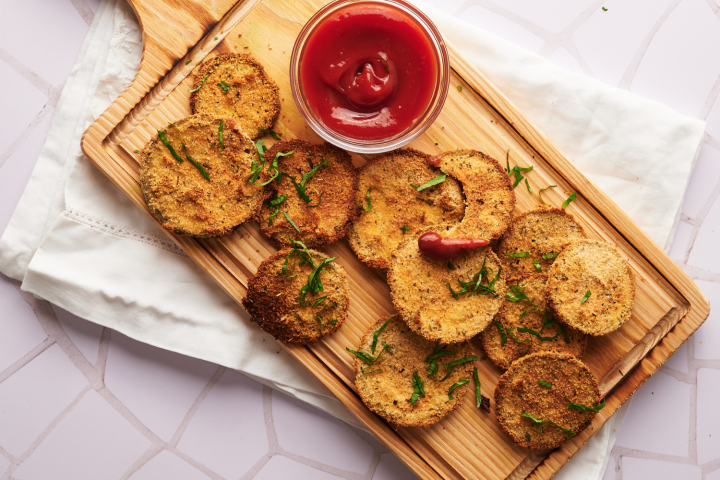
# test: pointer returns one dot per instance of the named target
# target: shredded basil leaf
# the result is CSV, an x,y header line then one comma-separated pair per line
x,y
319,201
367,197
220,134
478,397
258,166
542,190
545,384
564,333
275,204
540,424
164,140
570,199
319,301
274,166
418,389
435,181
540,337
136,151
451,266
538,268
188,62
528,185
433,358
503,337
475,285
268,131
223,84
300,187
456,385
604,9
509,330
378,332
405,229
455,363
548,256
518,254
517,172
314,283
423,200
452,292
199,86
587,295
198,166
459,88
583,408
366,357
291,222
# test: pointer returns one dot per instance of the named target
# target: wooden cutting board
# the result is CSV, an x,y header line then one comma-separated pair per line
x,y
468,443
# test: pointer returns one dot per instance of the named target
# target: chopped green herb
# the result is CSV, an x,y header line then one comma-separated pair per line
x,y
548,256
509,330
544,384
197,165
136,151
223,84
300,187
452,292
456,385
164,140
604,9
459,88
314,283
455,363
538,268
475,285
540,424
528,185
378,332
583,408
418,389
518,254
215,38
268,131
220,135
503,337
366,357
564,333
258,166
319,301
542,190
202,82
319,201
451,266
431,183
433,358
570,199
517,172
478,397
405,229
301,252
277,173
423,200
188,62
540,337
274,203
367,197
333,322
291,222
584,299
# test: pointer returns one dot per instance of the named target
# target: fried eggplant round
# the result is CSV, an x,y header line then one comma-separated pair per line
x,y
533,399
388,384
398,210
236,86
275,299
541,233
591,287
174,183
526,308
320,201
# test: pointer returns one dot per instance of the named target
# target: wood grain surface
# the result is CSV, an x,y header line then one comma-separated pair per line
x,y
468,443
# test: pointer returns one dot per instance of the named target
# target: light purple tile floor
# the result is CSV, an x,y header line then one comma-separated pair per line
x,y
79,401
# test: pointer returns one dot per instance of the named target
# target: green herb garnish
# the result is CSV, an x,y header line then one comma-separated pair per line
x,y
433,358
319,201
197,165
516,171
278,174
570,199
478,397
584,299
319,301
291,222
199,86
405,229
435,181
423,200
333,323
188,62
540,424
548,256
136,151
451,266
537,334
258,166
215,38
538,268
367,197
544,384
455,363
604,9
503,337
223,84
518,254
542,190
220,135
275,205
475,285
314,283
300,187
456,385
509,331
366,357
378,332
459,88
301,252
418,389
268,131
164,140
583,408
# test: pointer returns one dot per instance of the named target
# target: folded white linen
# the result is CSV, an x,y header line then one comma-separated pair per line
x,y
76,241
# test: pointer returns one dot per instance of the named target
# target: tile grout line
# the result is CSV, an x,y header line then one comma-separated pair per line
x,y
148,455
27,358
84,11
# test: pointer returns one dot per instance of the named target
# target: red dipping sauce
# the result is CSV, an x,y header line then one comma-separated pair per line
x,y
368,71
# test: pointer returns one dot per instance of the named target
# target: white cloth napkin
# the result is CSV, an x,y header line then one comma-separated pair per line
x,y
77,241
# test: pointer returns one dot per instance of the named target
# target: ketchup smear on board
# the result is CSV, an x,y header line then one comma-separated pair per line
x,y
368,72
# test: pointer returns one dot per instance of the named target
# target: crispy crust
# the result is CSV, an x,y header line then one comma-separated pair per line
x,y
272,299
538,231
488,193
177,194
378,232
518,392
386,393
425,302
253,98
596,266
509,316
320,225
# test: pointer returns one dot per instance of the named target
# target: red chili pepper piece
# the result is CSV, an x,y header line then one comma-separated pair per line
x,y
435,161
444,249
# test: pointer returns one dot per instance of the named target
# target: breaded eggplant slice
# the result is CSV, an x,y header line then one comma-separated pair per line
x,y
421,291
541,231
591,287
532,314
488,193
321,221
386,386
236,86
518,392
273,298
178,194
397,209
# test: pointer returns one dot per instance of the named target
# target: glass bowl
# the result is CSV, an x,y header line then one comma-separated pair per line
x,y
432,110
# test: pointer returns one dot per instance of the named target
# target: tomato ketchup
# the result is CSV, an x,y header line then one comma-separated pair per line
x,y
368,71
